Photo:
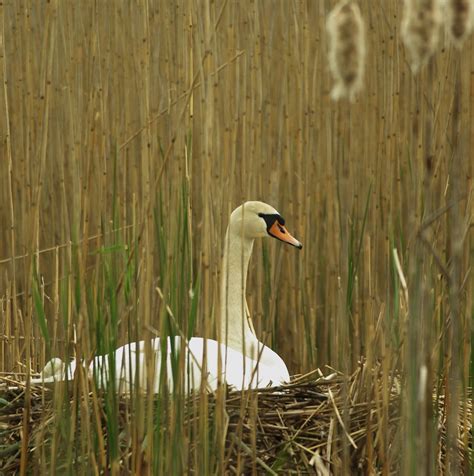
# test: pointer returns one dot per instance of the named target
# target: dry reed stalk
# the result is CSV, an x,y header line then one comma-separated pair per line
x,y
346,30
456,240
459,20
420,30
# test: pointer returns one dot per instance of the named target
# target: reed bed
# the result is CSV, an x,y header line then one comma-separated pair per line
x,y
298,429
128,133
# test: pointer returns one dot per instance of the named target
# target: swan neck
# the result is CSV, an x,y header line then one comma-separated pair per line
x,y
234,329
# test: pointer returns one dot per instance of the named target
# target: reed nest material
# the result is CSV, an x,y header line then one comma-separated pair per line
x,y
304,427
346,31
420,30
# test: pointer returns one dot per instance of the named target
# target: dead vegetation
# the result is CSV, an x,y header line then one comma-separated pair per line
x,y
302,427
130,130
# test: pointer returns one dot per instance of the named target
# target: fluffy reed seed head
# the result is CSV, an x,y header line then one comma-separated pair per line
x,y
346,30
459,19
420,30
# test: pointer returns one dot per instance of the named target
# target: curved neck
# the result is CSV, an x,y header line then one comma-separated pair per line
x,y
235,331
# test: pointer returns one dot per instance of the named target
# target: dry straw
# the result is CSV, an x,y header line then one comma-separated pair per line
x,y
346,49
300,428
459,19
420,30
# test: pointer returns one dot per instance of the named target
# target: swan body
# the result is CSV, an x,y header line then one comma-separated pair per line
x,y
237,357
238,370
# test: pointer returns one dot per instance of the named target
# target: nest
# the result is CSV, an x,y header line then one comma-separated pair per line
x,y
315,425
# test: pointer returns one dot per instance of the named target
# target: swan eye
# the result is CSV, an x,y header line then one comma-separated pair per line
x,y
271,219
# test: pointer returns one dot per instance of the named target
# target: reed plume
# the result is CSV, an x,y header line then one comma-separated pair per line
x,y
420,30
459,19
346,31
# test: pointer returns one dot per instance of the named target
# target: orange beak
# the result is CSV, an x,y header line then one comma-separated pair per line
x,y
278,231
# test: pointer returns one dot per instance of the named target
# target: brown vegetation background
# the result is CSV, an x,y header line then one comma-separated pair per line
x,y
231,100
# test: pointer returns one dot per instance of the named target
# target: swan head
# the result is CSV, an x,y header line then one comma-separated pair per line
x,y
259,220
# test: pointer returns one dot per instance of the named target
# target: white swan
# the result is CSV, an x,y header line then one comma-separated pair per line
x,y
239,358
